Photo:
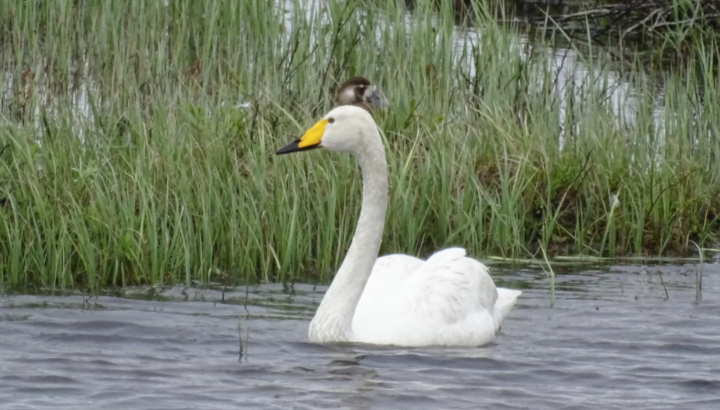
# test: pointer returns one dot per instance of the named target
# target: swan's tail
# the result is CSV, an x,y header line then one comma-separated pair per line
x,y
505,302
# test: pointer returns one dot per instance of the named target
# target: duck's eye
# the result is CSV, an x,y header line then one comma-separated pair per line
x,y
331,120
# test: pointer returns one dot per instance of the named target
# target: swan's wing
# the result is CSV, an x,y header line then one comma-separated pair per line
x,y
391,270
387,278
498,301
448,299
450,286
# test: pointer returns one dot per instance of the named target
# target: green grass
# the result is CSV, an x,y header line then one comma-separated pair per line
x,y
171,183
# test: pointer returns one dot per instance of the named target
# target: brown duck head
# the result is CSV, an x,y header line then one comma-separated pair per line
x,y
360,92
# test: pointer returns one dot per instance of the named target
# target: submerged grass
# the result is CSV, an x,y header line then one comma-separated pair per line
x,y
138,138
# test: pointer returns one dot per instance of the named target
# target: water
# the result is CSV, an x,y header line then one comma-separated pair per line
x,y
613,339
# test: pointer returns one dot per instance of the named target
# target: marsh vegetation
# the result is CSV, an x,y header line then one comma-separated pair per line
x,y
137,140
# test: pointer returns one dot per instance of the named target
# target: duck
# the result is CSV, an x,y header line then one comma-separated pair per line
x,y
358,91
449,299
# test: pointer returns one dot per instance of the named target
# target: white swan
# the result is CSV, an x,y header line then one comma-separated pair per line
x,y
448,300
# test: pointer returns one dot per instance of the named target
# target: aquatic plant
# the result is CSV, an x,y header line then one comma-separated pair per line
x,y
138,137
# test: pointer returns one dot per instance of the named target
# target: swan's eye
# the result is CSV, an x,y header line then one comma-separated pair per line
x,y
331,120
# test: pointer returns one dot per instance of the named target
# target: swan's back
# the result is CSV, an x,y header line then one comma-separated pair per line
x,y
449,299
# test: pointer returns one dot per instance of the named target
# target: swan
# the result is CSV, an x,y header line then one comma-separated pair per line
x,y
360,92
447,300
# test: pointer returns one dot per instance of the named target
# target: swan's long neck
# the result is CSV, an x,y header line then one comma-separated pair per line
x,y
333,319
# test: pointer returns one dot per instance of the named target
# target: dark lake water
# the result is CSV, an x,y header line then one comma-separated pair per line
x,y
619,337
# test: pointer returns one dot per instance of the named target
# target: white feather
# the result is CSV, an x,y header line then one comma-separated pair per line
x,y
447,300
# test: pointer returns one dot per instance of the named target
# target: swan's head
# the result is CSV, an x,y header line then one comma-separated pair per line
x,y
360,92
346,128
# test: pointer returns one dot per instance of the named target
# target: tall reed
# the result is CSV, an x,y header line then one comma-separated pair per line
x,y
139,140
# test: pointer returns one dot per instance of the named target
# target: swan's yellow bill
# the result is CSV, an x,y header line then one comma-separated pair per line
x,y
309,140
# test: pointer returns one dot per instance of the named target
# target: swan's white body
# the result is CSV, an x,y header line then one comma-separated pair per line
x,y
447,300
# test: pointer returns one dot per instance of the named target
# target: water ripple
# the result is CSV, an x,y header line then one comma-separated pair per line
x,y
612,339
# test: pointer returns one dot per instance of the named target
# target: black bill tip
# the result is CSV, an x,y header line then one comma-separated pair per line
x,y
293,147
375,100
